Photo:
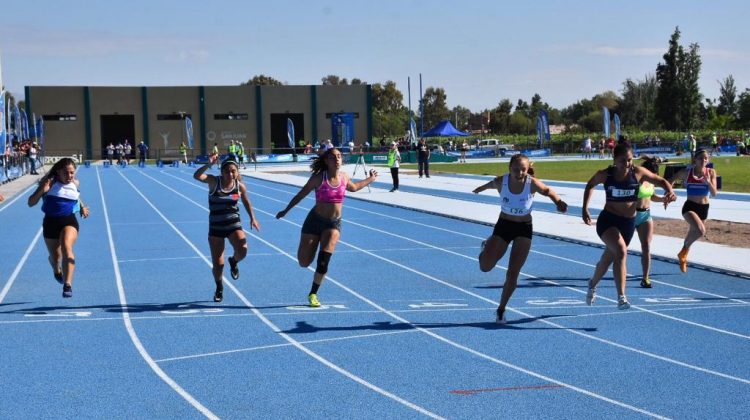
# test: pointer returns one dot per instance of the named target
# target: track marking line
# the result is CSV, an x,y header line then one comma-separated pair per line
x,y
129,325
267,321
432,334
511,388
20,265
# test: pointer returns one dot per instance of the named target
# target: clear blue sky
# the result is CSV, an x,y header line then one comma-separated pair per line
x,y
478,51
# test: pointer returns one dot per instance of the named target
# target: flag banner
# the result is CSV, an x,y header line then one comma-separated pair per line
x,y
617,126
40,132
290,133
17,122
605,121
545,125
412,131
24,126
539,132
3,133
189,131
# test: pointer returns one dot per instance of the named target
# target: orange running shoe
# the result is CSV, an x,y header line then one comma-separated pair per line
x,y
682,256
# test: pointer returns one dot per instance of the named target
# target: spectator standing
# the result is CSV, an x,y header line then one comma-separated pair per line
x,y
423,158
394,157
143,149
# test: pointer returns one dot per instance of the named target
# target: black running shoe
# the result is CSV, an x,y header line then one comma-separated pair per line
x,y
233,269
67,291
219,294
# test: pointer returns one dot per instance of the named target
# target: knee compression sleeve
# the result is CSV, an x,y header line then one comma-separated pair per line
x,y
323,259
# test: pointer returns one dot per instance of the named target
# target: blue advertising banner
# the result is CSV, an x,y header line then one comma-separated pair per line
x,y
545,125
342,128
617,126
189,131
290,133
3,133
605,121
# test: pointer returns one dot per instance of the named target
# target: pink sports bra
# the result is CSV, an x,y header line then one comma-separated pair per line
x,y
327,193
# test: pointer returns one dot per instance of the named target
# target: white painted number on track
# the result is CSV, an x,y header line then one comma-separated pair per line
x,y
61,314
189,311
433,305
672,300
319,308
555,302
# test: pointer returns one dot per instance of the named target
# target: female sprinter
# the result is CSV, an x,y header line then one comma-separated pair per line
x,y
323,224
224,222
644,225
616,223
517,189
61,198
700,181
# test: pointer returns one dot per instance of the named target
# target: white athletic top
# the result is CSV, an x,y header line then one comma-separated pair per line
x,y
516,204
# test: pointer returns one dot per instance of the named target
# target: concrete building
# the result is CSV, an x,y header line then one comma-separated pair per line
x,y
84,119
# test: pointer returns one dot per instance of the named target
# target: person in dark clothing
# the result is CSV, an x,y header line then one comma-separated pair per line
x,y
423,158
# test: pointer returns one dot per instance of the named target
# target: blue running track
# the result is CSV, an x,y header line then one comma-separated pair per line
x,y
406,329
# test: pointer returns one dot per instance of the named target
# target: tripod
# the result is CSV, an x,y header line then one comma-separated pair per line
x,y
361,162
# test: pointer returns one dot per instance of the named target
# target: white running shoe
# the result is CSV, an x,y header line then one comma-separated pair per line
x,y
622,303
591,296
500,317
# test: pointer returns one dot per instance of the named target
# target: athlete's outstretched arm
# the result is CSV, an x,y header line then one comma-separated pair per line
x,y
495,184
313,182
356,186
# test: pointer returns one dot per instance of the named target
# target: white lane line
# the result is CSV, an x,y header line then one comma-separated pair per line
x,y
20,265
437,336
267,321
129,325
17,197
273,346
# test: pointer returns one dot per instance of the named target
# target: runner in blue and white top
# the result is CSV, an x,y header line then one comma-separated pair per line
x,y
59,190
517,189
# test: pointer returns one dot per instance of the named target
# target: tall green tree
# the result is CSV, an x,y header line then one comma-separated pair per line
x,y
500,117
263,80
690,95
460,117
434,108
668,92
333,80
390,117
727,98
637,103
678,99
743,110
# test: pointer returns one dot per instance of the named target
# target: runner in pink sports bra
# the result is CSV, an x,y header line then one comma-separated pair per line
x,y
322,227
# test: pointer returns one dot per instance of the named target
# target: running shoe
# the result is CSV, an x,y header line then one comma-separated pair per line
x,y
622,303
233,269
682,256
313,299
67,291
500,317
219,294
591,296
646,283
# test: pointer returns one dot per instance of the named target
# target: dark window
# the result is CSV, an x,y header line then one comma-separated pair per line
x,y
172,117
60,117
230,116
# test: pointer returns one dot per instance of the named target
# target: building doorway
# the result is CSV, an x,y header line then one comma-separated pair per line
x,y
279,132
116,129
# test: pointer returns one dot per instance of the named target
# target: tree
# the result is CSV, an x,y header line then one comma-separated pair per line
x,y
743,109
333,80
460,116
637,104
667,95
690,95
389,113
262,80
678,98
727,98
500,117
434,108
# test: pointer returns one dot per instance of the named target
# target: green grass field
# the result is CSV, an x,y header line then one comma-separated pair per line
x,y
734,171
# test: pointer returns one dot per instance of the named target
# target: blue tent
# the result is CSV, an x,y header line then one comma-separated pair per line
x,y
444,129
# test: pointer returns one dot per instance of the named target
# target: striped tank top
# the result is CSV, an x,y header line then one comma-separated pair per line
x,y
224,210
